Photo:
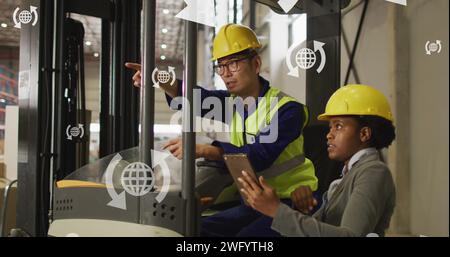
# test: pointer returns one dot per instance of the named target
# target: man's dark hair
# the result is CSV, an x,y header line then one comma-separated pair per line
x,y
250,53
383,131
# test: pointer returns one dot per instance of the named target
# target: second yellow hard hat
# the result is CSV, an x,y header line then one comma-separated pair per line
x,y
357,100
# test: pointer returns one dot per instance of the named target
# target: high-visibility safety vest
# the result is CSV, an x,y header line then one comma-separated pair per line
x,y
291,169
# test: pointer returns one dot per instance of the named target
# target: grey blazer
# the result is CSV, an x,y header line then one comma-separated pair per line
x,y
362,203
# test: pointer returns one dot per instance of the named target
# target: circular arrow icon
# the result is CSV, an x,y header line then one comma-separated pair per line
x,y
72,131
137,179
305,58
433,47
163,76
25,16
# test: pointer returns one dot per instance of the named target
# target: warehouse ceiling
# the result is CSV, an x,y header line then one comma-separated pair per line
x,y
9,36
169,43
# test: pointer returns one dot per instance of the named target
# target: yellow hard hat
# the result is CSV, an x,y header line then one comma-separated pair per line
x,y
234,38
357,100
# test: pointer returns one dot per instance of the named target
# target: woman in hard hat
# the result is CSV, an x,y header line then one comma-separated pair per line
x,y
282,159
363,200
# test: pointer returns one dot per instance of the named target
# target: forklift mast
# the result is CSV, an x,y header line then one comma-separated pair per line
x,y
53,121
73,105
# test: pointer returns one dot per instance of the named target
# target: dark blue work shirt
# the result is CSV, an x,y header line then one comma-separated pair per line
x,y
261,155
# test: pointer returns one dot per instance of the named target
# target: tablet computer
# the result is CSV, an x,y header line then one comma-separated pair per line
x,y
236,163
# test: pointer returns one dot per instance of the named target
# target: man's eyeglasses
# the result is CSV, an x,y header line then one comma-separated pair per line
x,y
232,65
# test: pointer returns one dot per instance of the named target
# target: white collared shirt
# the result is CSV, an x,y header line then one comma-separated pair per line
x,y
356,157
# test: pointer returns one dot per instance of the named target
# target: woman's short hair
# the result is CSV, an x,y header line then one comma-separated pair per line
x,y
383,131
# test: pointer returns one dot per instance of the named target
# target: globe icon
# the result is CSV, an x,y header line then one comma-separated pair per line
x,y
75,131
137,179
163,77
434,47
25,17
305,58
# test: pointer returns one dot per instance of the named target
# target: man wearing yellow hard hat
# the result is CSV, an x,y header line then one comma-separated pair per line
x,y
238,63
362,201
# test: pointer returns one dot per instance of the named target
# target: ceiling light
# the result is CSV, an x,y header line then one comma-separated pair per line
x,y
96,54
163,57
88,43
166,11
4,25
163,46
164,30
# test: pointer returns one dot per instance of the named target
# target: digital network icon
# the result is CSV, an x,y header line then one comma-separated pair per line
x,y
305,58
137,179
25,16
74,131
163,76
433,47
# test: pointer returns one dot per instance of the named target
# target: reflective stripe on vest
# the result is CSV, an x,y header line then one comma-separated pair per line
x,y
278,169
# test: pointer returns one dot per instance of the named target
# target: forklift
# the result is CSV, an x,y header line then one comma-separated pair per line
x,y
59,192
